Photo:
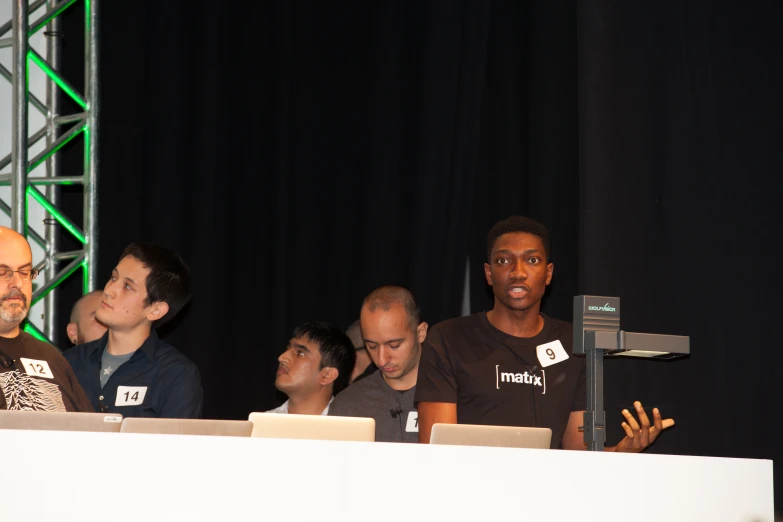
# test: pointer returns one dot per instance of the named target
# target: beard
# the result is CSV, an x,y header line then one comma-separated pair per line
x,y
13,312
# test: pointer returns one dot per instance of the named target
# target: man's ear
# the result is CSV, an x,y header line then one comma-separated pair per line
x,y
72,330
157,310
488,273
421,332
328,375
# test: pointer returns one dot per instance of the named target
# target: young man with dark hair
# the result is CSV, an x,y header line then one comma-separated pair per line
x,y
130,370
33,374
488,368
316,365
393,333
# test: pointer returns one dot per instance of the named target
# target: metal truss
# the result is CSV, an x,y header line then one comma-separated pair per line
x,y
59,130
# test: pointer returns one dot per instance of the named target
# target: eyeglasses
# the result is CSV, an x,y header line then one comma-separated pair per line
x,y
27,275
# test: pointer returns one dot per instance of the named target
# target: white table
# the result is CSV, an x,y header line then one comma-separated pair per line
x,y
121,476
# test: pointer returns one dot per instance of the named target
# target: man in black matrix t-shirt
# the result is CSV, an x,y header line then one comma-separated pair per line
x,y
513,366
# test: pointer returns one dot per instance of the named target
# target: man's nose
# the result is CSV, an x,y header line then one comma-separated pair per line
x,y
283,357
16,280
519,270
383,356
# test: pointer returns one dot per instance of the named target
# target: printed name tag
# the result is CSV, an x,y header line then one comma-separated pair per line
x,y
130,395
412,426
551,353
37,368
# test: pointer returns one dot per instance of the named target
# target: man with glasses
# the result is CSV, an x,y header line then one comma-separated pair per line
x,y
33,374
130,370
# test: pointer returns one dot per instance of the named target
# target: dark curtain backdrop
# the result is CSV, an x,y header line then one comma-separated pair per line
x,y
299,154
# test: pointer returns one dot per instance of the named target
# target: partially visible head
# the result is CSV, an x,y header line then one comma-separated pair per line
x,y
518,265
84,328
393,332
354,333
16,280
150,283
319,357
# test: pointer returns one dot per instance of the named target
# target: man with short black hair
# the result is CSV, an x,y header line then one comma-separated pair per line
x,y
393,333
315,366
84,328
130,370
33,374
512,365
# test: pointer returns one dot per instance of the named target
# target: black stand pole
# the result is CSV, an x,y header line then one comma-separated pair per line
x,y
595,435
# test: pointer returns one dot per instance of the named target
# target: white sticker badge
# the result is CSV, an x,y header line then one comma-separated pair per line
x,y
551,353
130,395
412,425
37,368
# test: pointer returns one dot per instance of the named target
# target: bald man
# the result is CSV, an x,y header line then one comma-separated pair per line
x,y
33,374
393,332
84,327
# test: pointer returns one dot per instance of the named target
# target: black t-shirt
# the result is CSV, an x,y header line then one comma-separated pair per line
x,y
496,379
38,377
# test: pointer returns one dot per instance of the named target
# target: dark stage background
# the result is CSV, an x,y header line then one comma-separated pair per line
x,y
299,154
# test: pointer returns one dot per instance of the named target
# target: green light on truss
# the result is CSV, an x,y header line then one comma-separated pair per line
x,y
86,279
62,278
35,332
48,18
57,79
56,214
51,152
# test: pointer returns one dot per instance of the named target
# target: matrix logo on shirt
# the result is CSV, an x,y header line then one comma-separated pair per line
x,y
520,378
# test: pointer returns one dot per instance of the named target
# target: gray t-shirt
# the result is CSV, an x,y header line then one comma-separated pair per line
x,y
110,363
396,418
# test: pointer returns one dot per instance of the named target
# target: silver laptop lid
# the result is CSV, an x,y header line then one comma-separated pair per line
x,y
319,427
227,428
500,436
61,421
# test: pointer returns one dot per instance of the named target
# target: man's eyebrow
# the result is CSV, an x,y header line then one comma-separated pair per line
x,y
528,251
300,347
26,265
385,342
116,274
